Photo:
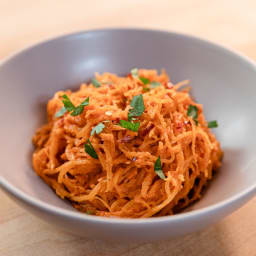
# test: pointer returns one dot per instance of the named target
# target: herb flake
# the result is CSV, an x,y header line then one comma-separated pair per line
x,y
97,129
144,80
158,168
136,110
89,149
213,124
138,107
67,103
135,73
154,84
193,112
61,112
96,83
69,106
146,89
129,125
78,110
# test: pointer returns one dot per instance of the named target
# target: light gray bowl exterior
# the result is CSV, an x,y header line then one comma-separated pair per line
x,y
224,82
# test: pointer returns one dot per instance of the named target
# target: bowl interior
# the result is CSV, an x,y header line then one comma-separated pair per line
x,y
222,81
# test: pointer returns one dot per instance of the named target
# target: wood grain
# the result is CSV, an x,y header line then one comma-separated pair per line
x,y
229,22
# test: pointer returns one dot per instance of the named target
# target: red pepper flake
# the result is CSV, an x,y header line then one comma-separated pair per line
x,y
130,75
117,120
147,130
179,125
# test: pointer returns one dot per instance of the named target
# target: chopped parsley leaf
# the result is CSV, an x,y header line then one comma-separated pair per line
x,y
89,149
137,107
61,112
97,129
69,106
96,83
213,124
146,89
129,125
135,73
193,112
144,80
158,168
155,84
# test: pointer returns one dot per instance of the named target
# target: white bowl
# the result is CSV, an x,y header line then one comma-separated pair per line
x,y
222,80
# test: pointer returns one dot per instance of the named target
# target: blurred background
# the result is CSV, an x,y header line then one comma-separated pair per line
x,y
231,23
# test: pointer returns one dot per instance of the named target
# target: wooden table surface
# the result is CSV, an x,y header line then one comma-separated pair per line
x,y
229,22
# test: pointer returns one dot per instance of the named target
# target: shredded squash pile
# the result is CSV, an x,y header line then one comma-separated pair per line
x,y
157,170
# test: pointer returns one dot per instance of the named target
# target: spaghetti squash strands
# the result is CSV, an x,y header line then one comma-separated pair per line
x,y
130,152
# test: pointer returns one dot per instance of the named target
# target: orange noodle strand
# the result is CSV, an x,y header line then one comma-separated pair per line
x,y
122,182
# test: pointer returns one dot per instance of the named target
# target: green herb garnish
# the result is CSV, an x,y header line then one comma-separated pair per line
x,y
193,112
67,103
136,110
90,150
96,83
144,80
158,169
97,129
61,112
129,125
154,84
69,106
213,124
135,72
146,89
138,107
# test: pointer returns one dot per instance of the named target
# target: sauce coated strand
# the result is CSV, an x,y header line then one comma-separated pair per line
x,y
136,146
